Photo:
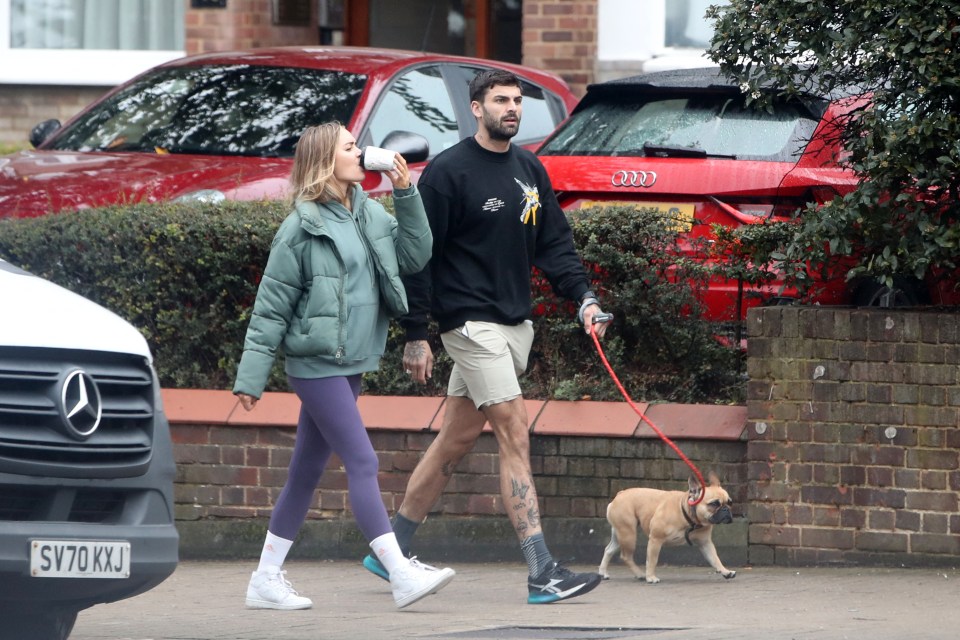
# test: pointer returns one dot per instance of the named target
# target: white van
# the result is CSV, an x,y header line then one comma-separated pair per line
x,y
86,461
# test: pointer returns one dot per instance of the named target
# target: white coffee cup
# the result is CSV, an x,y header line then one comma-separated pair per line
x,y
377,159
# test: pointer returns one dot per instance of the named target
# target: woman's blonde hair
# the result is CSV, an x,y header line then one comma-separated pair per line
x,y
312,176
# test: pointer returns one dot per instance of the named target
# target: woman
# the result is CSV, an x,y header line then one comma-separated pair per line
x,y
331,283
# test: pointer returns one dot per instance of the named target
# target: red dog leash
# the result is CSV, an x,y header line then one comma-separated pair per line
x,y
607,317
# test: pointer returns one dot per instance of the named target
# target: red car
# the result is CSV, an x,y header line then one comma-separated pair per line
x,y
685,143
224,125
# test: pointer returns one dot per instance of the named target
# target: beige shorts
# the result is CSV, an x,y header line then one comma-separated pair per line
x,y
487,358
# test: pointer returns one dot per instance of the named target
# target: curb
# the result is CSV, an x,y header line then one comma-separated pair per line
x,y
446,539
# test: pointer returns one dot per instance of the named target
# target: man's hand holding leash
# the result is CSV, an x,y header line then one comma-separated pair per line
x,y
591,314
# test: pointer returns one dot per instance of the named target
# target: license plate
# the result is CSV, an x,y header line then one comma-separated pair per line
x,y
79,559
680,215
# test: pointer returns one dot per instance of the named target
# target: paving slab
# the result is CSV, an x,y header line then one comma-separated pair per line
x,y
204,600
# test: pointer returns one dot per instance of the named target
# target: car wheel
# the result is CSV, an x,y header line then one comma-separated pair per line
x,y
48,625
904,293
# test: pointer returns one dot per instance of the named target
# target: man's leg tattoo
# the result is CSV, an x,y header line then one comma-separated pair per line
x,y
533,516
520,489
519,503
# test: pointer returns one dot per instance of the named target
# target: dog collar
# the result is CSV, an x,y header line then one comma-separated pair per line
x,y
694,525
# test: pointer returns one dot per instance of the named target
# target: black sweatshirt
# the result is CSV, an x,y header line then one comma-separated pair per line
x,y
494,216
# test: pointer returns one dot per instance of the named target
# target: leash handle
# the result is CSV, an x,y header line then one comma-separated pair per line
x,y
616,380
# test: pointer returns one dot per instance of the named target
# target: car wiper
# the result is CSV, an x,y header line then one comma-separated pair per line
x,y
674,151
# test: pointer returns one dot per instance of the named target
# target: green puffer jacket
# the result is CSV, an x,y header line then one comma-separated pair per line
x,y
300,303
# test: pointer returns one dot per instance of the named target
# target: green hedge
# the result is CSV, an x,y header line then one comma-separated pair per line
x,y
186,276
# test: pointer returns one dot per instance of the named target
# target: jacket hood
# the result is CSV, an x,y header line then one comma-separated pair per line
x,y
312,221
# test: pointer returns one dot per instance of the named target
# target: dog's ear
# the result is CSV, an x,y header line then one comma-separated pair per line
x,y
713,480
695,487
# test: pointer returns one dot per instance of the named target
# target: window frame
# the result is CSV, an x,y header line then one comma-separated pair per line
x,y
365,137
71,67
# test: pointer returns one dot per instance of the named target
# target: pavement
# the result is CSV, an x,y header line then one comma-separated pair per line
x,y
204,600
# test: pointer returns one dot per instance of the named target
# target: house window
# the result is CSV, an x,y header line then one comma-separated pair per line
x,y
653,35
86,42
686,25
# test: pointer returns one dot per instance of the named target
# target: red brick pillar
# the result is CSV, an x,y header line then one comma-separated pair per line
x,y
854,445
561,36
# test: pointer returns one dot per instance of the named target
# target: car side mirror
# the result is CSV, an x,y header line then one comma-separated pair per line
x,y
412,146
43,131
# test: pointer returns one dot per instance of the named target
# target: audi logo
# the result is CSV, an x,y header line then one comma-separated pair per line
x,y
633,179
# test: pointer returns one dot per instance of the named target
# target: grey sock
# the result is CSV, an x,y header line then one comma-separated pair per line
x,y
404,528
536,554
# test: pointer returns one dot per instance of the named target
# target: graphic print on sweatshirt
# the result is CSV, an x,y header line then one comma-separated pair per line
x,y
492,205
531,203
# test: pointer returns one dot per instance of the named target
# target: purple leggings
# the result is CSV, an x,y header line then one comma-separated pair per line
x,y
330,423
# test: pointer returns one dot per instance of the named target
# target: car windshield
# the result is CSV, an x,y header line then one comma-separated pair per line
x,y
713,125
215,110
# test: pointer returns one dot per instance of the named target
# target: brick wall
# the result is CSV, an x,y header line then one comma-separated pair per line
x,y
237,472
853,434
561,36
23,107
850,454
229,472
243,24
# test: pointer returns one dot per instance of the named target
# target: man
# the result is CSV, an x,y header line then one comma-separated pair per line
x,y
494,215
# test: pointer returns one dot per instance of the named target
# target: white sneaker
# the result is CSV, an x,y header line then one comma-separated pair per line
x,y
416,580
271,590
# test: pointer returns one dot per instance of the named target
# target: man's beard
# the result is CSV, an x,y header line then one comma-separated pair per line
x,y
499,131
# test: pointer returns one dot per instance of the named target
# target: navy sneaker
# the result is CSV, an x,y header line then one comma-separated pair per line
x,y
559,583
375,567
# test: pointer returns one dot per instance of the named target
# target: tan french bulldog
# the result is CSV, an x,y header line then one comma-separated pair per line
x,y
667,519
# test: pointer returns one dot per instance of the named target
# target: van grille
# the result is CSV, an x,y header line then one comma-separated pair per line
x,y
59,504
34,438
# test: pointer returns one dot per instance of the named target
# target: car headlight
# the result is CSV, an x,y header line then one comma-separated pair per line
x,y
204,196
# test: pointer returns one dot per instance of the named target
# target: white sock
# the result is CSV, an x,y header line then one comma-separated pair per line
x,y
274,552
388,552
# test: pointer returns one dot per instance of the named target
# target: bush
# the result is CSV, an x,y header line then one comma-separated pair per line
x,y
187,275
900,137
6,148
658,345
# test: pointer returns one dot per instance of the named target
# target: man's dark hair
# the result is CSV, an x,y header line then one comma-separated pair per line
x,y
486,80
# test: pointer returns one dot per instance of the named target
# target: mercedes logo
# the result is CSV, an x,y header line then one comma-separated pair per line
x,y
80,408
633,178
